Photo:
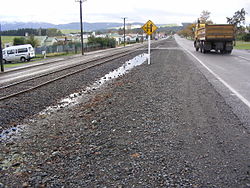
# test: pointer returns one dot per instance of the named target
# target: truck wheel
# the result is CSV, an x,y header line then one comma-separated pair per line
x,y
4,61
222,51
229,51
201,48
22,59
196,47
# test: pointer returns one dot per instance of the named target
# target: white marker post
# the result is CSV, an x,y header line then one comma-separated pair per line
x,y
149,41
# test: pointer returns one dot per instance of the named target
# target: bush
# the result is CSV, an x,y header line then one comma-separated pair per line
x,y
31,40
246,37
103,42
243,37
19,41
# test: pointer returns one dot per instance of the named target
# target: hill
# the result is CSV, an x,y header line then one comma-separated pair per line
x,y
70,26
73,25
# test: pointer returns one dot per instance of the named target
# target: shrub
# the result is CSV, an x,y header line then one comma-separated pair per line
x,y
19,40
246,37
103,42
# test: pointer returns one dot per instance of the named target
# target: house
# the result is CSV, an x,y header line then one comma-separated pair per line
x,y
46,41
50,41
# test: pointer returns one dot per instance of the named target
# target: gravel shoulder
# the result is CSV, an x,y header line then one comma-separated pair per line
x,y
161,125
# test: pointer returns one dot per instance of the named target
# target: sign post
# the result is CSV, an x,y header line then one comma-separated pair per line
x,y
149,45
149,28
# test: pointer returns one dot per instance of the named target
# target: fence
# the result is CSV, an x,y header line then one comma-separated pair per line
x,y
68,48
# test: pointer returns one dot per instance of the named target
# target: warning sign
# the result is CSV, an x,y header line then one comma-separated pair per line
x,y
149,27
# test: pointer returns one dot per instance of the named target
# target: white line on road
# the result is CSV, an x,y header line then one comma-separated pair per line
x,y
243,99
244,58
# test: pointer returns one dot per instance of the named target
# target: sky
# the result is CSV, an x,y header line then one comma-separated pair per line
x,y
159,11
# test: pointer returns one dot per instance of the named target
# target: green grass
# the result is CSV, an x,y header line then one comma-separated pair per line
x,y
16,64
241,45
7,39
68,31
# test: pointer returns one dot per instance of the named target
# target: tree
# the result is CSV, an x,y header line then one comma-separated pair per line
x,y
103,42
120,31
52,32
188,31
19,41
31,40
238,18
204,17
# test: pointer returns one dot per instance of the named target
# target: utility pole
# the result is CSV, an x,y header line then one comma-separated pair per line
x,y
124,30
1,52
80,1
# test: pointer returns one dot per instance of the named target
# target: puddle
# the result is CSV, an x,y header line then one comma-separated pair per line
x,y
9,133
125,68
74,98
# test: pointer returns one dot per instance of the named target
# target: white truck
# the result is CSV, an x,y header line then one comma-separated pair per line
x,y
18,53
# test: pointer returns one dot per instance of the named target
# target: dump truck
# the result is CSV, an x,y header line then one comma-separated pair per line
x,y
218,37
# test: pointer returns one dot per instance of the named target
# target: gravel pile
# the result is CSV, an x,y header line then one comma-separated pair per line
x,y
161,125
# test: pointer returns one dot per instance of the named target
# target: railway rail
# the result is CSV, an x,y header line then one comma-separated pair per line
x,y
26,85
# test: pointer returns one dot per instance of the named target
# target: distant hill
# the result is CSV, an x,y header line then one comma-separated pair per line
x,y
73,26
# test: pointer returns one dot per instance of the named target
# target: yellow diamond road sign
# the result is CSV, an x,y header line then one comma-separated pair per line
x,y
149,27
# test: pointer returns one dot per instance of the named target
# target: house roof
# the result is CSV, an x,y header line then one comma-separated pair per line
x,y
50,39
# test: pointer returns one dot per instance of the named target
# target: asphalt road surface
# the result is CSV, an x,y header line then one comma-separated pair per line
x,y
160,125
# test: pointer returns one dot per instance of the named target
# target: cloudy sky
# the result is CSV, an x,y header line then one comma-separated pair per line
x,y
159,11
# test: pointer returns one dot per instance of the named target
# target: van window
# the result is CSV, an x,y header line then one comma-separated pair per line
x,y
22,50
10,51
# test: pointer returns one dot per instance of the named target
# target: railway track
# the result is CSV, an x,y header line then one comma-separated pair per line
x,y
26,85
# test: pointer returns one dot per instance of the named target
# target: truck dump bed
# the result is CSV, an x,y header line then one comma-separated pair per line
x,y
219,32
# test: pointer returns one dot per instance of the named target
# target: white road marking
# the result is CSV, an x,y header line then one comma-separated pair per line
x,y
244,58
170,48
243,99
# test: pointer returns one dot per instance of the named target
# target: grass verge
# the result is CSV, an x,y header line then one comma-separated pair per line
x,y
241,45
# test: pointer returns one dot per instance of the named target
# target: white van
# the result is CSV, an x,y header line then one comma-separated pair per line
x,y
18,53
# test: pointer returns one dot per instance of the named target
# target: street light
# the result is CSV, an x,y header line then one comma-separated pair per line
x,y
124,33
80,1
1,52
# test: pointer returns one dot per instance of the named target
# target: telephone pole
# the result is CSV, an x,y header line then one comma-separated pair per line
x,y
81,1
124,30
1,52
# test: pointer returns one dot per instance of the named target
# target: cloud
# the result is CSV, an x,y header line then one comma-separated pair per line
x,y
160,11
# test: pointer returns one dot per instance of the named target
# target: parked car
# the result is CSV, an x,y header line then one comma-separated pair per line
x,y
18,53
